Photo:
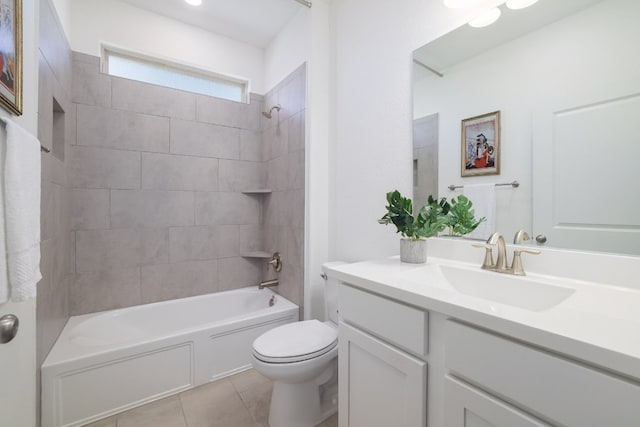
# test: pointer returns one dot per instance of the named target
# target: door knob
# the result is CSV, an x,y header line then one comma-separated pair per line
x,y
541,239
8,328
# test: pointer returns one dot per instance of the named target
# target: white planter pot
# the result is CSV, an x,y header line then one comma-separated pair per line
x,y
413,251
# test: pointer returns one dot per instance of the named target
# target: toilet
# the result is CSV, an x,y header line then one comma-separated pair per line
x,y
301,359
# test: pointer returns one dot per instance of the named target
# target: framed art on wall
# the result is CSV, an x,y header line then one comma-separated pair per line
x,y
11,55
481,145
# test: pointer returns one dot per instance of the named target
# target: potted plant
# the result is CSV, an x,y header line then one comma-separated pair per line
x,y
429,220
461,218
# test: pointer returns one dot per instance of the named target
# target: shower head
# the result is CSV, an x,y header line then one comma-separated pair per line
x,y
267,114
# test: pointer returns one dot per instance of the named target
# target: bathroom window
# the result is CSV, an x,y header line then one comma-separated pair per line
x,y
165,73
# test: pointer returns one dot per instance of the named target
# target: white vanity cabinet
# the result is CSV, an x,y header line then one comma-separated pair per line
x,y
382,371
479,378
489,363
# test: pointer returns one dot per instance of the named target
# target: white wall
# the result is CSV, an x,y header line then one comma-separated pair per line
x,y
290,48
373,45
118,23
63,8
318,128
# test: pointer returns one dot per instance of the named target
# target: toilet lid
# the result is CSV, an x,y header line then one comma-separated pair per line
x,y
295,342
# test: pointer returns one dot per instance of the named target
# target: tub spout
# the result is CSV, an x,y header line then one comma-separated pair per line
x,y
268,283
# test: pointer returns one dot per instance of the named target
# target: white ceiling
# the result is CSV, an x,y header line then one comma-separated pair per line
x,y
251,21
466,42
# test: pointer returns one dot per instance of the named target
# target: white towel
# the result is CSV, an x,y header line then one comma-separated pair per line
x,y
20,213
483,197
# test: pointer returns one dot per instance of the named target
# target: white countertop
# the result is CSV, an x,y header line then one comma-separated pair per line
x,y
597,324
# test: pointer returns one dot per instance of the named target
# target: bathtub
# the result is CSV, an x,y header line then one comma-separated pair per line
x,y
104,363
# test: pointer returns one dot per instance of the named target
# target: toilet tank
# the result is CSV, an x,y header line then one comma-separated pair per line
x,y
330,293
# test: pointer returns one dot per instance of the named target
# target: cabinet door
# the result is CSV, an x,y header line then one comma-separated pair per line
x,y
380,385
466,406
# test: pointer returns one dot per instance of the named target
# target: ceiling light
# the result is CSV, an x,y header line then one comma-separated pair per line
x,y
519,4
486,18
460,4
194,2
463,4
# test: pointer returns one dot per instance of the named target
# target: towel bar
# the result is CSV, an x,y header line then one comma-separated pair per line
x,y
514,184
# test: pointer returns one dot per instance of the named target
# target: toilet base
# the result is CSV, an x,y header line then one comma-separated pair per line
x,y
304,404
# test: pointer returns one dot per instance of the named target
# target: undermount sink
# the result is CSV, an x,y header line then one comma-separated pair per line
x,y
524,292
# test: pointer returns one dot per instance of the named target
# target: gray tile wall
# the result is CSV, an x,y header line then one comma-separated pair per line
x,y
156,202
57,245
143,200
284,157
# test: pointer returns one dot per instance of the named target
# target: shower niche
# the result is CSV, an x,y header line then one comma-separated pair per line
x,y
58,130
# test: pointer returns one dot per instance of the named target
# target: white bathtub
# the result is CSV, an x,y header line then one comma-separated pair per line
x,y
104,363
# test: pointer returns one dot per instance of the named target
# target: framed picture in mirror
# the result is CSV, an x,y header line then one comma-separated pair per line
x,y
481,145
11,55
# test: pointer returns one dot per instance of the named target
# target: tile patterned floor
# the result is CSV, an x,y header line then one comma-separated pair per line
x,y
241,400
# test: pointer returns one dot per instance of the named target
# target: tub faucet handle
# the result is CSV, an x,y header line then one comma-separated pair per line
x,y
276,262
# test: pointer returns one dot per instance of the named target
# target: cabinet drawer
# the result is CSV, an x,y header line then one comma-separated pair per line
x,y
548,386
466,406
395,322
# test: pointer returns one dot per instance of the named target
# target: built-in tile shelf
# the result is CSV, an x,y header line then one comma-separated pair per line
x,y
257,254
258,191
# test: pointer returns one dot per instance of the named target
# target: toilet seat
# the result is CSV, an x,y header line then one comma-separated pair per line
x,y
295,342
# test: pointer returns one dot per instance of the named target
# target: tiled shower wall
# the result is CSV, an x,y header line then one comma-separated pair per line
x,y
56,119
55,131
157,207
284,155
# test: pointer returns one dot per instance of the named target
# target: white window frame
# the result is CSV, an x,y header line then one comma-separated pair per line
x,y
107,49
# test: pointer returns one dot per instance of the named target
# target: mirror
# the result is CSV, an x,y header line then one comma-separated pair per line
x,y
566,78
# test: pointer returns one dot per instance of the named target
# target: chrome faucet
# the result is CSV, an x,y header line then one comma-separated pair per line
x,y
500,266
268,283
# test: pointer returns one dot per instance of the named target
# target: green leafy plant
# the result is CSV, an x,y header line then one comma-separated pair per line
x,y
442,203
429,220
461,218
